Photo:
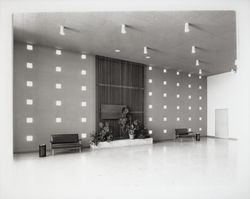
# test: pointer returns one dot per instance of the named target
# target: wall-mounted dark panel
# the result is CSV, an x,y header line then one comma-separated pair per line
x,y
120,82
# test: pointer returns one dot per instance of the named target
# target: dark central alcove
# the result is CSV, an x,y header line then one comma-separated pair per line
x,y
119,83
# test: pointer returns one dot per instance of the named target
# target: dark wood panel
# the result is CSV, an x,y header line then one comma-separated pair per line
x,y
119,82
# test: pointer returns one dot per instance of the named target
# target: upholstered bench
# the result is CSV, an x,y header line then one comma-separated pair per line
x,y
184,133
65,141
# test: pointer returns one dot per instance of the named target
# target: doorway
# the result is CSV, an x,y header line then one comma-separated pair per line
x,y
221,123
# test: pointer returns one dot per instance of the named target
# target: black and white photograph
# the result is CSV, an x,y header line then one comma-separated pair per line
x,y
125,99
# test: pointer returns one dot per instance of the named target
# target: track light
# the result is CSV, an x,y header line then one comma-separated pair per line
x,y
62,30
200,71
193,50
236,62
123,29
186,28
197,63
145,50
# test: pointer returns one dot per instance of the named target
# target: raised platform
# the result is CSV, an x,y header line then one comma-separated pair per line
x,y
121,143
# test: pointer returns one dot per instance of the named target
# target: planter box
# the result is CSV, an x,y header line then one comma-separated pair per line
x,y
121,143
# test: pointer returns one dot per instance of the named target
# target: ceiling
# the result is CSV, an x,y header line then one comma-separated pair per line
x,y
99,33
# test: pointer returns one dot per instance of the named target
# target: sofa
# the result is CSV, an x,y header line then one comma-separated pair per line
x,y
184,133
65,141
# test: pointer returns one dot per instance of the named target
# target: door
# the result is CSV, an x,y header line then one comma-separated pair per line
x,y
221,123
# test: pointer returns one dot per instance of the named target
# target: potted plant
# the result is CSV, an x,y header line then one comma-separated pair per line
x,y
131,131
103,134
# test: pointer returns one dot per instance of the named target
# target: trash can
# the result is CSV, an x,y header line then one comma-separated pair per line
x,y
42,150
197,136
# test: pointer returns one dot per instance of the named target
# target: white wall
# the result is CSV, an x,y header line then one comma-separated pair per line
x,y
223,93
231,90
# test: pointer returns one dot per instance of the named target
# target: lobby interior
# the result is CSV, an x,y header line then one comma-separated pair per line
x,y
170,68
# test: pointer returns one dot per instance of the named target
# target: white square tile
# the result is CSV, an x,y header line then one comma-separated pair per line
x,y
29,101
83,56
29,138
29,65
58,103
29,120
58,86
29,47
29,84
83,72
84,104
58,69
84,119
84,88
58,52
58,120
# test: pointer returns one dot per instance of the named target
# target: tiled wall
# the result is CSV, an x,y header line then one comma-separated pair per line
x,y
53,93
174,100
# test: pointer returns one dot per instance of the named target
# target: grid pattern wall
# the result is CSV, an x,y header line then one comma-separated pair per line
x,y
54,92
173,100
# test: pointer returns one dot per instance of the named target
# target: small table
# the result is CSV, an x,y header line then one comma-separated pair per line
x,y
197,137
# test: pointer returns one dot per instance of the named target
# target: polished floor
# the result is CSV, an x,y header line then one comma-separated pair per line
x,y
188,169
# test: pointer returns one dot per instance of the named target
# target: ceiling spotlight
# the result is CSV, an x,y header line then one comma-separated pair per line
x,y
197,63
147,57
200,71
62,30
117,50
186,28
145,50
123,29
236,62
193,49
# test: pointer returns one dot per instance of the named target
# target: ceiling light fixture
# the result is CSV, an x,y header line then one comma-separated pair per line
x,y
62,30
193,49
123,29
145,50
117,50
197,63
236,62
186,28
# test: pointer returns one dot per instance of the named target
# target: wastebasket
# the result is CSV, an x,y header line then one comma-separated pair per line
x,y
197,136
42,150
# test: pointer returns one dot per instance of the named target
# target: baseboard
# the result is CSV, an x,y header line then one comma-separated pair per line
x,y
37,151
211,136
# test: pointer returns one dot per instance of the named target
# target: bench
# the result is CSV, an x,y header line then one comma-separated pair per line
x,y
64,141
184,133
